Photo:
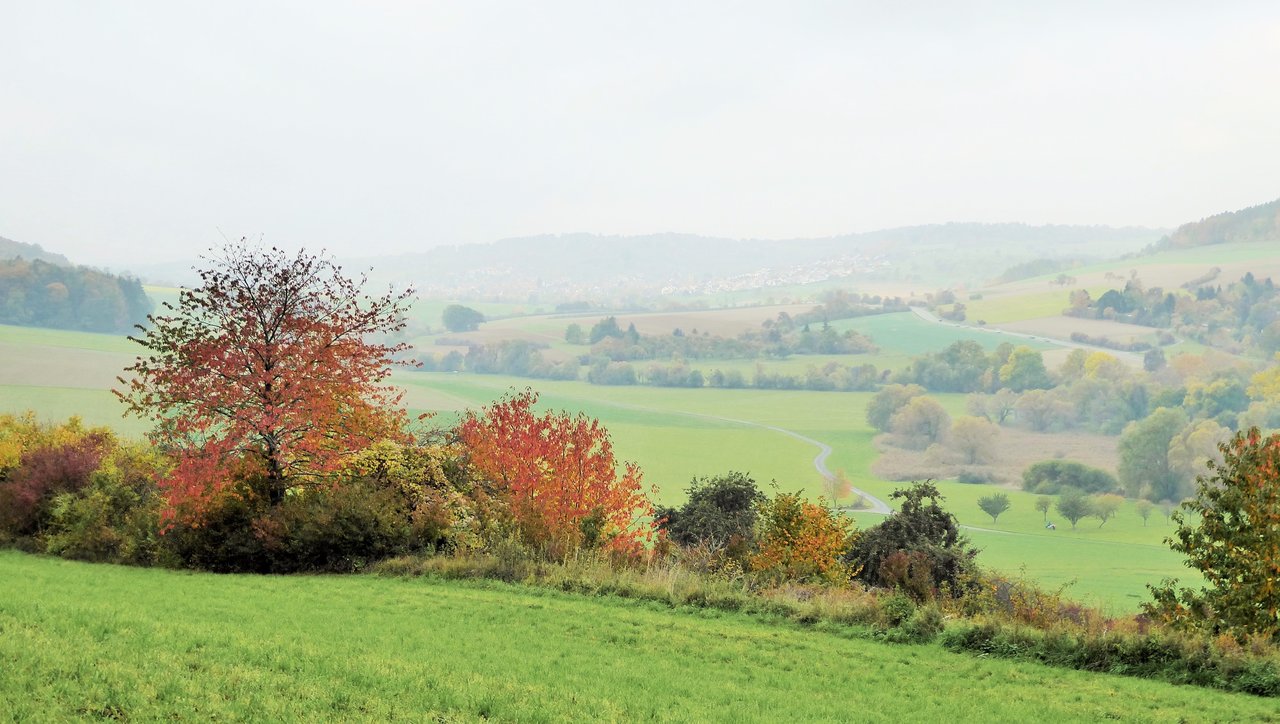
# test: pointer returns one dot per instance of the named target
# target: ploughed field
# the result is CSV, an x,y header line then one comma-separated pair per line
x,y
93,641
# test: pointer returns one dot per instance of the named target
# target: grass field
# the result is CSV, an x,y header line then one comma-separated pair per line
x,y
23,336
85,641
998,309
908,335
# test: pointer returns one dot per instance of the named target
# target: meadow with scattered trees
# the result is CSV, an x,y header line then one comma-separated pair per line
x,y
277,446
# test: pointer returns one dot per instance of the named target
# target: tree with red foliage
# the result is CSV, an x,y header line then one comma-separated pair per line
x,y
267,367
560,477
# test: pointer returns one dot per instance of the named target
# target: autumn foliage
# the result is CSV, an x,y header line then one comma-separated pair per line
x,y
38,463
802,541
560,478
1232,536
266,366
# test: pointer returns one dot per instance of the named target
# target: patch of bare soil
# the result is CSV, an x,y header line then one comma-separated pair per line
x,y
1016,450
1061,327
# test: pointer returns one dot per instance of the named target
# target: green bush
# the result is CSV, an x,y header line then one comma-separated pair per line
x,y
337,529
928,536
116,518
720,513
1163,655
897,610
974,476
1052,477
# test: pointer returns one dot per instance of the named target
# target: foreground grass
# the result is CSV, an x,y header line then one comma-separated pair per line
x,y
79,640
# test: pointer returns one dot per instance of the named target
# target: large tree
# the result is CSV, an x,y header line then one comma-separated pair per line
x,y
975,439
1145,469
920,423
1025,370
888,401
270,367
457,318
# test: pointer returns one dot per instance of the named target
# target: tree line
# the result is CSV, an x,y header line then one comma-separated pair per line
x,y
40,294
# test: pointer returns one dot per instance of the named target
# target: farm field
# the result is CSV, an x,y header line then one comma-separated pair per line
x,y
1062,327
998,308
907,335
96,641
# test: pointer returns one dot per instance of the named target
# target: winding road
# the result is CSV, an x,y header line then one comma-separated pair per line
x,y
1132,358
819,461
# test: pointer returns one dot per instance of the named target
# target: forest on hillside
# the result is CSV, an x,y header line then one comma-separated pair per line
x,y
40,294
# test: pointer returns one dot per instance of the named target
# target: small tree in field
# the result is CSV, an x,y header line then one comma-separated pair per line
x,y
1043,503
457,318
1144,508
560,477
1104,507
836,487
1233,538
267,365
994,505
1073,506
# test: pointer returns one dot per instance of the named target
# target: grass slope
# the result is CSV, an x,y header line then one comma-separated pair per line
x,y
110,642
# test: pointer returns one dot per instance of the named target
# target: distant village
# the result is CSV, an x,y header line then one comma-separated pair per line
x,y
505,283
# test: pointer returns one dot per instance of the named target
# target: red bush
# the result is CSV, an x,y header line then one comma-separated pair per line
x,y
42,474
560,477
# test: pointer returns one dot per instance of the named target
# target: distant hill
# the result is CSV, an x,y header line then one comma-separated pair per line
x,y
569,266
10,249
1254,224
43,289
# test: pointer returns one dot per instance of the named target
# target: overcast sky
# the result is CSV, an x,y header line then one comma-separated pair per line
x,y
147,130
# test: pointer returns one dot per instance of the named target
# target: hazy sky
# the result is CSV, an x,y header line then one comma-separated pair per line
x,y
148,129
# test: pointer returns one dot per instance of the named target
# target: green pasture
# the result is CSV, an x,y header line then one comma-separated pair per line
x,y
908,335
85,641
53,404
39,336
1108,566
999,309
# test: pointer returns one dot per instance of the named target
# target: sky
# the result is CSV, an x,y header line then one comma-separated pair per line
x,y
142,131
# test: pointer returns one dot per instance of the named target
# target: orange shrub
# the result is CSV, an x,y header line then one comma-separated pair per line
x,y
798,540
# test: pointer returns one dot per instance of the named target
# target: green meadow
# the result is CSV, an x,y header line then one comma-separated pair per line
x,y
85,641
904,335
